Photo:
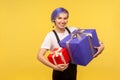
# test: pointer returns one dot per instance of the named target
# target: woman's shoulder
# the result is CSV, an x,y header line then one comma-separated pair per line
x,y
50,33
72,28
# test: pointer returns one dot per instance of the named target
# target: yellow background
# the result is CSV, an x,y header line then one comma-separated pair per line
x,y
24,24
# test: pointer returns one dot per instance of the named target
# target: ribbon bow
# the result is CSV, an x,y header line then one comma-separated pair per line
x,y
78,33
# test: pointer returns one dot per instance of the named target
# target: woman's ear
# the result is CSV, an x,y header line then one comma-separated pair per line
x,y
53,20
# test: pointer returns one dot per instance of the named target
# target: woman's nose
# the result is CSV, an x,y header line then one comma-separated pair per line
x,y
63,20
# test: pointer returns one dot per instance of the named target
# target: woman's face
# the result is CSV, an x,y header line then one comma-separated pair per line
x,y
61,20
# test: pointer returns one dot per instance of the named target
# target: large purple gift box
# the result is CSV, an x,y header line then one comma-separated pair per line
x,y
80,45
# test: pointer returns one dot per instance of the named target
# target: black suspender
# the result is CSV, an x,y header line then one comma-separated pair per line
x,y
67,30
58,40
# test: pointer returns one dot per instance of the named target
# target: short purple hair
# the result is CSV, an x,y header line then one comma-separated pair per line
x,y
57,11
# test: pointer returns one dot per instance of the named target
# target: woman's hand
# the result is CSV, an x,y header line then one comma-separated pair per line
x,y
100,49
61,67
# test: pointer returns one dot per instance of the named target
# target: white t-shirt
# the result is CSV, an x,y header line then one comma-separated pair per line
x,y
50,41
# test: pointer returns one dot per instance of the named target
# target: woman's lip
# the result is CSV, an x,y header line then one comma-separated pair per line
x,y
62,24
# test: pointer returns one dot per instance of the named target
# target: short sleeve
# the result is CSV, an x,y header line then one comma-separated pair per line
x,y
47,42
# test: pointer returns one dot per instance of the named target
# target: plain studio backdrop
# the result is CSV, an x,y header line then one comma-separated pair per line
x,y
24,24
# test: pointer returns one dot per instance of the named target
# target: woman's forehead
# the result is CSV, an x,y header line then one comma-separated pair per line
x,y
63,14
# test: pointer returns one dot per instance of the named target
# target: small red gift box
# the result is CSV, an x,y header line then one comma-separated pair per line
x,y
59,56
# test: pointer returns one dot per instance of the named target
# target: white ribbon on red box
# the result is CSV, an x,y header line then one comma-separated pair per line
x,y
56,54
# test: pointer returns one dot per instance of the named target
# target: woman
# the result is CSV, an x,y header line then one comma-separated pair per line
x,y
61,71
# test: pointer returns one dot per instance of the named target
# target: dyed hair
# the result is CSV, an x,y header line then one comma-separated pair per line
x,y
57,11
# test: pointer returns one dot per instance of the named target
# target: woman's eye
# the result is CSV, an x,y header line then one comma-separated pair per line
x,y
65,18
59,18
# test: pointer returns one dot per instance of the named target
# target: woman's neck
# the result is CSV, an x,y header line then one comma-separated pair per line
x,y
60,30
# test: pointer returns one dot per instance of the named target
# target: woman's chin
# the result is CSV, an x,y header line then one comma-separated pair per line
x,y
62,27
